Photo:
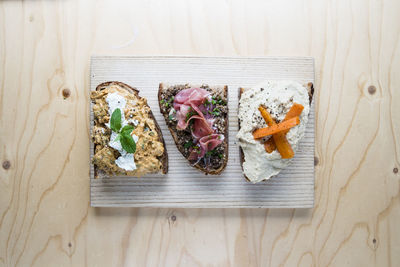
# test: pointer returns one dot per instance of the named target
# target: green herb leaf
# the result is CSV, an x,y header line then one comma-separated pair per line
x,y
221,102
117,138
188,144
115,122
171,118
128,143
190,114
127,129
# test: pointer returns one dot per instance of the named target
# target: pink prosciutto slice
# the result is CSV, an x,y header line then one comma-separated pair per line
x,y
188,104
189,100
207,143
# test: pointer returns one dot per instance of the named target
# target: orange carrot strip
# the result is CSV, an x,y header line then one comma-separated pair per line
x,y
283,146
294,111
285,125
285,151
269,146
267,117
278,140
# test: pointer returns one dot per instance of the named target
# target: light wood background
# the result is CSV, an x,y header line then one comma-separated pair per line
x,y
45,219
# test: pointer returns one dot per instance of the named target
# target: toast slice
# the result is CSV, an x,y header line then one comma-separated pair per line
x,y
310,88
215,160
151,153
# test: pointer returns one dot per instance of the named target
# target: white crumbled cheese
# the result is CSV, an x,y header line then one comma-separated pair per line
x,y
115,144
134,122
114,101
126,161
278,97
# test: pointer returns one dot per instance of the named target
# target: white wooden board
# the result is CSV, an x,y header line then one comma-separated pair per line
x,y
185,186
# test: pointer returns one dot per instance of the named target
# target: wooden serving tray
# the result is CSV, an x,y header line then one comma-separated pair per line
x,y
184,186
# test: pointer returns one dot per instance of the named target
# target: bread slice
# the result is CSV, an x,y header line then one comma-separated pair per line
x,y
101,141
310,88
219,159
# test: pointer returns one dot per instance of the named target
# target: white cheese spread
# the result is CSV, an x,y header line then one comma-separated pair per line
x,y
278,97
126,161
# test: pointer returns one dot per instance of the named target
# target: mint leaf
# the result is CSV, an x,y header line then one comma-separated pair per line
x,y
127,129
115,122
128,143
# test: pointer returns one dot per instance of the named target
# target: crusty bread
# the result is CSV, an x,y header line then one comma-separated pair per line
x,y
310,89
173,130
164,157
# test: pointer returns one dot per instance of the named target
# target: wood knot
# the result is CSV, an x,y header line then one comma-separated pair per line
x,y
395,170
374,241
69,244
66,93
371,89
6,164
173,218
316,161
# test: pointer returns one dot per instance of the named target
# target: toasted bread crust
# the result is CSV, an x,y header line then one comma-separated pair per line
x,y
132,90
310,88
181,148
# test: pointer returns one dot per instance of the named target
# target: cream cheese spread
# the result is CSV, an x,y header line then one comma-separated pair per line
x,y
278,97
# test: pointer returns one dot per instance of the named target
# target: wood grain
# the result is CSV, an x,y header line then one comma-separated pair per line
x,y
185,186
45,219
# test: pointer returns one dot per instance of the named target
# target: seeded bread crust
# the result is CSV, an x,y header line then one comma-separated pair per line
x,y
310,89
164,157
214,171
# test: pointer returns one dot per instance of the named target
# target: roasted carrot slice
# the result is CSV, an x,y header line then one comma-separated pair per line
x,y
280,127
269,146
267,117
279,139
283,146
294,111
285,150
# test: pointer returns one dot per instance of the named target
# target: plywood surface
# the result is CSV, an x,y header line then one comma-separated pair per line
x,y
185,186
45,213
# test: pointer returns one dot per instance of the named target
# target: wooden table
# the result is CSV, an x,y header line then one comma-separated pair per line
x,y
45,219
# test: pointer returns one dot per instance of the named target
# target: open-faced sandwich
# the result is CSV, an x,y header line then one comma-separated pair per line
x,y
272,120
197,117
127,139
